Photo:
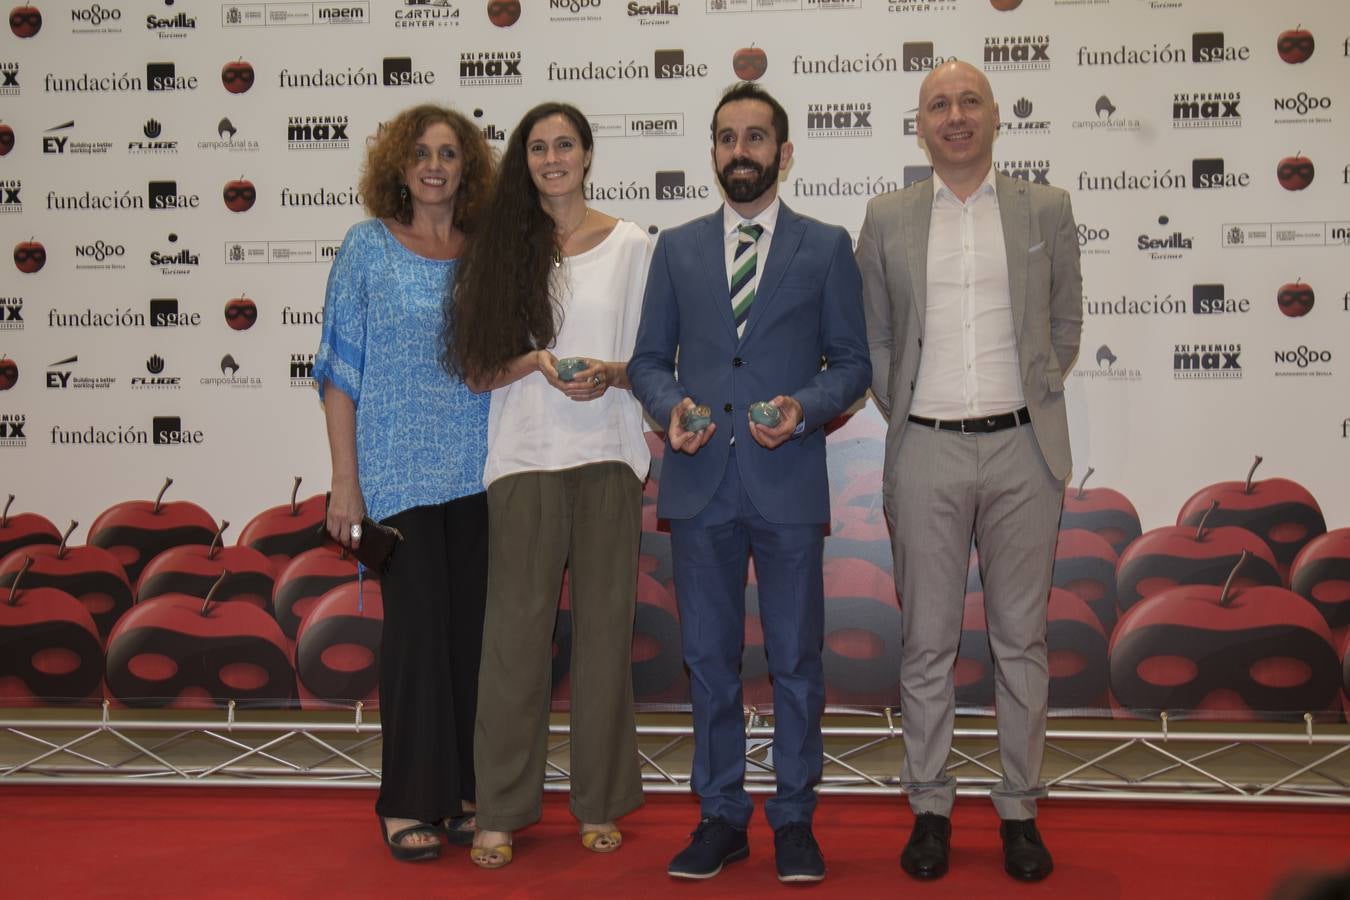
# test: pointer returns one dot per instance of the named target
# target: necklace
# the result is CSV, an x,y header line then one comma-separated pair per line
x,y
565,236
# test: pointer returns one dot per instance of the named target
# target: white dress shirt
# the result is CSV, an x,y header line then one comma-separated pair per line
x,y
768,218
968,367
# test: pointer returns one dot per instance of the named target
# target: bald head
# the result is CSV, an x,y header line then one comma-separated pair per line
x,y
958,120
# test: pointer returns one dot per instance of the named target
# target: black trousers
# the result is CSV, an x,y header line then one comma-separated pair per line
x,y
434,593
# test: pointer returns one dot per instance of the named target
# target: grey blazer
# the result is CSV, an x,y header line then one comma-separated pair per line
x,y
1047,301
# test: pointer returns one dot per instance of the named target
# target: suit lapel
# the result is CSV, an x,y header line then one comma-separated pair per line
x,y
1015,212
712,253
787,237
916,219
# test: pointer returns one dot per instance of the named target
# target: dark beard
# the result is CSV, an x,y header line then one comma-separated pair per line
x,y
741,191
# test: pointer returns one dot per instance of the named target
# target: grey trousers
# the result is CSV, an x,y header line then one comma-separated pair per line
x,y
588,518
944,487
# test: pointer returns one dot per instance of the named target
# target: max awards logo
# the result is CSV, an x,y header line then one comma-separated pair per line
x,y
1207,362
302,370
1017,53
317,133
490,68
845,119
9,79
1207,109
1108,370
12,429
11,314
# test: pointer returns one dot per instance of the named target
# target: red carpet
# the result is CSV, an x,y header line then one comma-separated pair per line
x,y
200,842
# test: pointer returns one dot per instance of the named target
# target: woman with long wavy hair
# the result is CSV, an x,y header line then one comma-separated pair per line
x,y
546,308
408,445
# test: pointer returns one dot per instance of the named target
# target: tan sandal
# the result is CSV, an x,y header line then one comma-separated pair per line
x,y
491,857
602,840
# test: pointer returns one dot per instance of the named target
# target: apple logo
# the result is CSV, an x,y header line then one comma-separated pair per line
x,y
237,76
503,13
30,256
750,63
1295,45
240,313
1295,172
240,195
1295,298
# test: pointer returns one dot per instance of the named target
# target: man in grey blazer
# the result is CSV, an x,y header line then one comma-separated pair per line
x,y
973,299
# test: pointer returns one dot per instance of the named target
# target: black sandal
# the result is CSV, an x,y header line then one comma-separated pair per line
x,y
454,830
405,853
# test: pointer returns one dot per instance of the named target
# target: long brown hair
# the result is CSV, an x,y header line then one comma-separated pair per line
x,y
500,306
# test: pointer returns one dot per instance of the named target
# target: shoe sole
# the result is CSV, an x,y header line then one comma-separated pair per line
x,y
700,876
1039,876
801,879
925,874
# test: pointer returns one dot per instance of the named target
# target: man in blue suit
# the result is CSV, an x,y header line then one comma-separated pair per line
x,y
757,304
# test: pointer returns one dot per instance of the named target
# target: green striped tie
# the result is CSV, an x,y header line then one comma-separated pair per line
x,y
743,268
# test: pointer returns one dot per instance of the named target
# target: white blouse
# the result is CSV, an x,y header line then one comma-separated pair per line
x,y
532,426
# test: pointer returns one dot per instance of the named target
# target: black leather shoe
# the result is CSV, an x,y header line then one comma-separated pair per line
x,y
797,853
1024,855
713,844
925,855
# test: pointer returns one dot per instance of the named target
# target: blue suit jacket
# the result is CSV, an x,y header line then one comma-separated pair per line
x,y
805,337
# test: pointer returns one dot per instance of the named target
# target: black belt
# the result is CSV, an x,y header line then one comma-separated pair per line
x,y
986,425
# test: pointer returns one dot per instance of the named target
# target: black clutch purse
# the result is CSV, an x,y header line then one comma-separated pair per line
x,y
378,542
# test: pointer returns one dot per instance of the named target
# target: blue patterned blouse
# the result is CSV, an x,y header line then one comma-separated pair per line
x,y
421,435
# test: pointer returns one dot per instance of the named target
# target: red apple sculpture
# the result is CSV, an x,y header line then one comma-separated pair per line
x,y
284,532
1107,512
194,570
240,313
25,21
135,531
1295,172
1321,575
1295,45
6,139
1242,653
1279,511
1005,5
303,580
9,373
180,651
658,663
237,76
750,63
30,256
1085,566
50,651
1295,298
337,652
239,195
24,530
861,655
503,13
1175,554
91,575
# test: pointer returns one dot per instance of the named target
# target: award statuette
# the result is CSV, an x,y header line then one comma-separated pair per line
x,y
765,414
569,367
697,418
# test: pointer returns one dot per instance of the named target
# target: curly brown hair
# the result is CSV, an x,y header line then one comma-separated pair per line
x,y
391,151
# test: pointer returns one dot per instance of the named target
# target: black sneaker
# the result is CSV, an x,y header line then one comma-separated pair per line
x,y
1024,855
713,844
797,853
925,855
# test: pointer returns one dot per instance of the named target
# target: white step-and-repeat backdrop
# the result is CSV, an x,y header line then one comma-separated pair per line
x,y
176,175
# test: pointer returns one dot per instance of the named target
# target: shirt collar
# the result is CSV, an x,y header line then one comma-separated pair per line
x,y
987,186
768,217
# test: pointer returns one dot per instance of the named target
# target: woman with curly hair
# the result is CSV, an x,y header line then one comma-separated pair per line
x,y
546,309
407,445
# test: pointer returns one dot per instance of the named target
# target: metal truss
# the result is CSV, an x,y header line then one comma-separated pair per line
x,y
1104,760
